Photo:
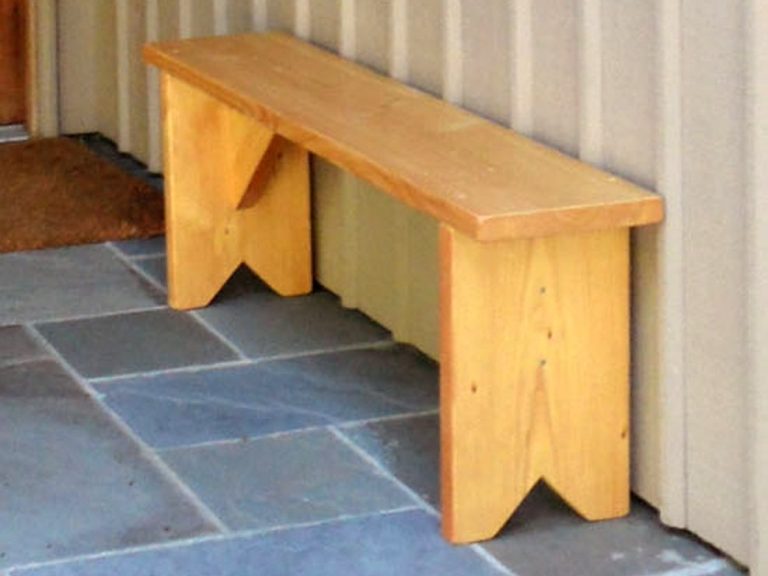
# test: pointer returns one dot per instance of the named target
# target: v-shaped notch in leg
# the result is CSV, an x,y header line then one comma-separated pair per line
x,y
235,192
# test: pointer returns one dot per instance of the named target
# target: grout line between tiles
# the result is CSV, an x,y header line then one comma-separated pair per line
x,y
709,567
21,362
131,264
140,257
152,457
206,539
373,345
307,429
187,369
216,332
423,504
76,318
426,506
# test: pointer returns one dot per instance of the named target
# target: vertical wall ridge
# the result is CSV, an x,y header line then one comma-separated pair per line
x,y
591,82
670,185
453,77
522,67
155,145
756,18
124,141
302,22
401,223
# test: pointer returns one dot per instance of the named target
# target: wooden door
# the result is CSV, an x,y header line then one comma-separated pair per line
x,y
12,61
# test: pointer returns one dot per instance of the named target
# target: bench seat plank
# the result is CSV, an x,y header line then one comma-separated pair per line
x,y
480,178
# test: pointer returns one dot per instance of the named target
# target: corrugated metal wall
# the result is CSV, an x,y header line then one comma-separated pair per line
x,y
654,90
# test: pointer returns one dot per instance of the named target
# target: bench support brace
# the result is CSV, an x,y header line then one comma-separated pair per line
x,y
235,192
534,376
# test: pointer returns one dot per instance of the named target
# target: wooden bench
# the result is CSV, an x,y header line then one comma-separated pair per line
x,y
534,254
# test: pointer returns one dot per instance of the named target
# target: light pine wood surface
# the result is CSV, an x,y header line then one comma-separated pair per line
x,y
534,254
534,376
212,153
480,178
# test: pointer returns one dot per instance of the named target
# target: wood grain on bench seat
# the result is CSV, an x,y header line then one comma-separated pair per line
x,y
534,254
480,178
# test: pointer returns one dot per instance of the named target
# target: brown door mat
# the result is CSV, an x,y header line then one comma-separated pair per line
x,y
56,192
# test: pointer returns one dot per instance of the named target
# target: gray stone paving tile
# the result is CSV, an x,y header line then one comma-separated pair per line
x,y
154,268
187,408
16,345
263,324
400,544
71,482
545,537
136,342
409,448
284,480
142,247
46,285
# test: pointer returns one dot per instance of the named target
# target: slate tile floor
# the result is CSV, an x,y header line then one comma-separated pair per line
x,y
260,436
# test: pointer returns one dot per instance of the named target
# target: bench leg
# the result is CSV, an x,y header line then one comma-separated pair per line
x,y
534,376
235,192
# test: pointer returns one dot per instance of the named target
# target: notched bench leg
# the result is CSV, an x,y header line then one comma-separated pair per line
x,y
534,376
235,192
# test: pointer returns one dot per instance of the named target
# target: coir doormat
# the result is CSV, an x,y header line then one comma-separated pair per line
x,y
56,192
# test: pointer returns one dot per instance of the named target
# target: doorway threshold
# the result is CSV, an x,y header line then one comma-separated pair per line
x,y
13,133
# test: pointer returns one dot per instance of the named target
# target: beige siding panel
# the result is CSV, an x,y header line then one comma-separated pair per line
x,y
757,208
422,314
325,23
713,152
81,40
202,18
628,147
162,24
239,16
629,88
425,44
378,248
521,31
590,78
487,49
372,29
328,223
281,14
44,108
335,200
329,184
555,73
106,72
133,135
672,421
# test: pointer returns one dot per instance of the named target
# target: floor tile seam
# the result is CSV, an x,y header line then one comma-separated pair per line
x,y
129,262
112,245
90,316
297,431
423,504
703,569
349,443
175,370
138,257
231,536
195,314
373,345
21,362
145,450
